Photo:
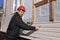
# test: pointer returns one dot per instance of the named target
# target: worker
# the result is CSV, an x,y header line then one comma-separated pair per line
x,y
16,24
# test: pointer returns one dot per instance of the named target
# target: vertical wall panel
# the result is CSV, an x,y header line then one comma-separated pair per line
x,y
42,13
57,12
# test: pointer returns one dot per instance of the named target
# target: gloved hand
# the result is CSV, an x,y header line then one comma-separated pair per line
x,y
37,27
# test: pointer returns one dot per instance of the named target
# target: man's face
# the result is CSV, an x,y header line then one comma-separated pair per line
x,y
21,13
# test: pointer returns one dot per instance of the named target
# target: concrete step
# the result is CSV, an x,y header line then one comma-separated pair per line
x,y
46,35
48,25
53,34
50,30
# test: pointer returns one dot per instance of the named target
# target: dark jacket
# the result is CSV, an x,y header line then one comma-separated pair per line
x,y
15,25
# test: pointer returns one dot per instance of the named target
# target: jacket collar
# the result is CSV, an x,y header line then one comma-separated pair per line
x,y
18,14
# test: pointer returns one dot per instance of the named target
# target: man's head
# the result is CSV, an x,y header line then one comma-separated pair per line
x,y
21,10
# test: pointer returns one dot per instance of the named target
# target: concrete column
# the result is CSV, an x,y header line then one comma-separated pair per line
x,y
52,11
33,14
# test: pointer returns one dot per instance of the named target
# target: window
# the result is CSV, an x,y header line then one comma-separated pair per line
x,y
36,1
16,4
42,13
28,13
57,12
1,3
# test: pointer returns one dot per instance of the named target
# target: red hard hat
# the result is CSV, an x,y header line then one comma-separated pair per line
x,y
21,8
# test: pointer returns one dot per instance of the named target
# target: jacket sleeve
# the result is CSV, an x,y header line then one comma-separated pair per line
x,y
22,25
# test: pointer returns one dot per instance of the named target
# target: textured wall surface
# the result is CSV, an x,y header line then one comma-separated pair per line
x,y
43,12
